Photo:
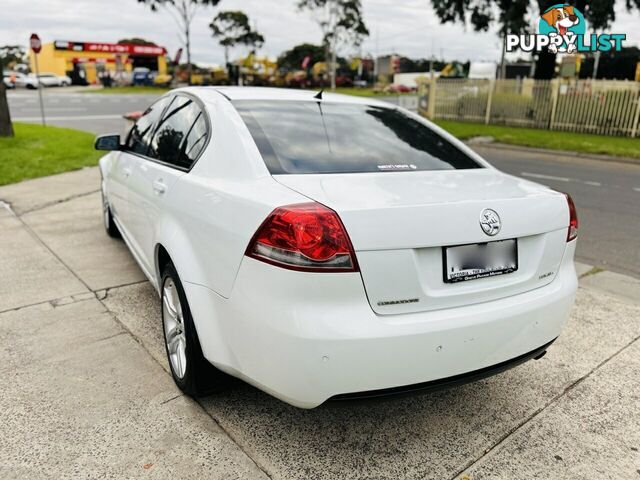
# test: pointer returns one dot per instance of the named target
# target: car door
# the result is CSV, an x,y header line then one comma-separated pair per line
x,y
135,147
171,154
46,80
116,180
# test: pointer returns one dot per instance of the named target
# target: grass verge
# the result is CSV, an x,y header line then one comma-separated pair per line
x,y
552,140
366,92
37,151
129,90
358,92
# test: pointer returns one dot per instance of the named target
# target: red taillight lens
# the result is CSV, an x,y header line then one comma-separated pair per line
x,y
573,219
307,236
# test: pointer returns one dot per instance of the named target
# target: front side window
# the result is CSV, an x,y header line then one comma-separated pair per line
x,y
170,143
299,137
140,134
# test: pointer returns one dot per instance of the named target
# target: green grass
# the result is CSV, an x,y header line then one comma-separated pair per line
x,y
36,151
366,92
129,89
359,92
552,140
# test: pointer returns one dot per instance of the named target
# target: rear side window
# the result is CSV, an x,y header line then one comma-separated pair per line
x,y
140,134
298,137
196,140
180,135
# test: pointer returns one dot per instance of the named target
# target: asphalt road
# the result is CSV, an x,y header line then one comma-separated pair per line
x,y
607,194
607,197
94,112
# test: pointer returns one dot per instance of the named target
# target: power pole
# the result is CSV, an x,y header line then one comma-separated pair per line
x,y
333,23
333,66
596,64
375,61
503,67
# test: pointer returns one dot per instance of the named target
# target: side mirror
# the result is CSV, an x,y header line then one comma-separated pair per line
x,y
107,142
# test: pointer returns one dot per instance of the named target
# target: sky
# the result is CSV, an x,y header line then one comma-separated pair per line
x,y
407,27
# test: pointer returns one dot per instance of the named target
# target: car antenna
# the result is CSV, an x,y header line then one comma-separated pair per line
x,y
319,94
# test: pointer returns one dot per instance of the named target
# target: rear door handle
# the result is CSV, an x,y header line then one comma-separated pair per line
x,y
159,187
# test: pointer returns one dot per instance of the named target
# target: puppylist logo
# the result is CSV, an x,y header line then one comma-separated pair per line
x,y
562,29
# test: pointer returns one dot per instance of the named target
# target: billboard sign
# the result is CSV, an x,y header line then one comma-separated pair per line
x,y
118,48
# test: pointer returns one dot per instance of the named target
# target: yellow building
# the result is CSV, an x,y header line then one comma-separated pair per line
x,y
85,61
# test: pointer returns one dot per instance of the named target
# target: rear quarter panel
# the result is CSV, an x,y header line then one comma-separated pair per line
x,y
215,209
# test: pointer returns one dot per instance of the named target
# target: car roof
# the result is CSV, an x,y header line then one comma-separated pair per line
x,y
280,94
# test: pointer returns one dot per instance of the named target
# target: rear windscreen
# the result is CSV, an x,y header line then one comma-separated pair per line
x,y
322,137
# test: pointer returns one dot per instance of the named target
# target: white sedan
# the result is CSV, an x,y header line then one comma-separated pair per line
x,y
331,247
46,80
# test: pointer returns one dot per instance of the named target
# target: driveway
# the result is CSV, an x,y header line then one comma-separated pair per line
x,y
86,392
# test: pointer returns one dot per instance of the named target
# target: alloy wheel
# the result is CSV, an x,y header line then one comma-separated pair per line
x,y
174,333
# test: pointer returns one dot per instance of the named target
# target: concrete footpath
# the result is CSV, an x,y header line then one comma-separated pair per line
x,y
86,392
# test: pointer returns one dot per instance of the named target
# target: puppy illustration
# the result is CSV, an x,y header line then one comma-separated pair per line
x,y
561,18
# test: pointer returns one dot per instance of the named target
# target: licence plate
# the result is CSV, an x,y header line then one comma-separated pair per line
x,y
479,260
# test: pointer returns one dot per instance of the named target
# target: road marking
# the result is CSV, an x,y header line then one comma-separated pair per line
x,y
49,108
545,177
79,117
591,183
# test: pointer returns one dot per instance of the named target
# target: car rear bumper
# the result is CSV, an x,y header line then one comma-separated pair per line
x,y
444,383
305,337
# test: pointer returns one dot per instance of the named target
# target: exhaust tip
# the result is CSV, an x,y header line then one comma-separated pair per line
x,y
540,356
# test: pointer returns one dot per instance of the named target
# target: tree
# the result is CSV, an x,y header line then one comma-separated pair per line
x,y
136,41
183,12
518,16
12,54
6,128
232,28
341,23
292,59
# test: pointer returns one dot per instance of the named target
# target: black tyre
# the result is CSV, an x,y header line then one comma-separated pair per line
x,y
109,225
193,374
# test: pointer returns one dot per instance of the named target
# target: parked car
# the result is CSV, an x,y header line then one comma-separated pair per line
x,y
398,88
22,80
46,79
9,80
344,81
332,247
142,76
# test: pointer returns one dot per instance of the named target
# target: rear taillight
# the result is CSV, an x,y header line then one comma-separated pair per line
x,y
572,232
307,236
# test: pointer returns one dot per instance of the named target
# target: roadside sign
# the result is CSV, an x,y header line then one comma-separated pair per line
x,y
35,43
36,46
